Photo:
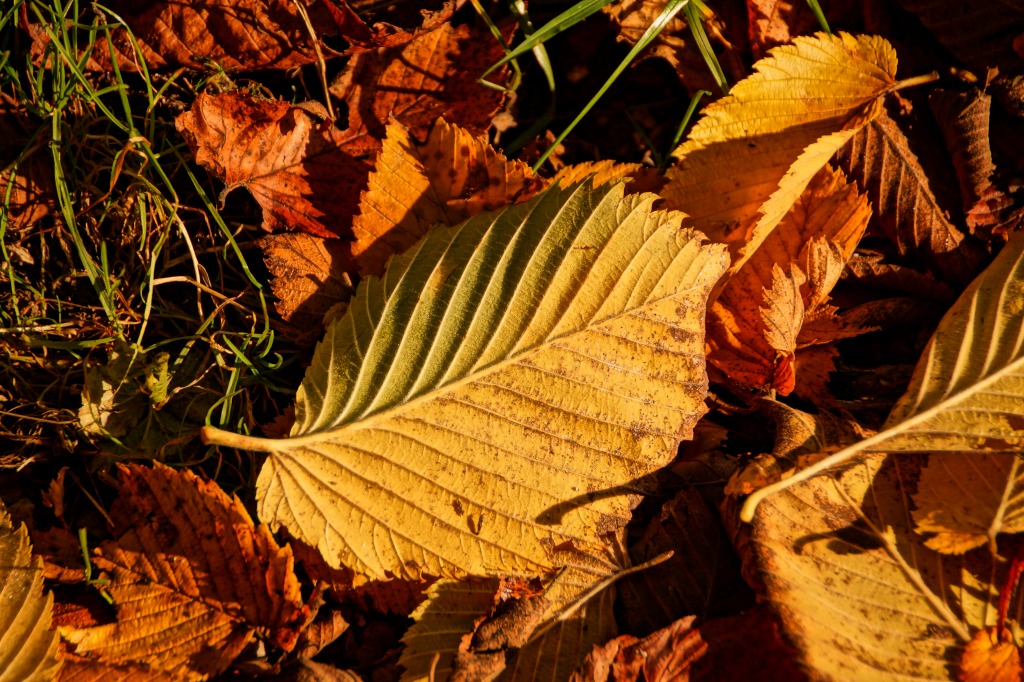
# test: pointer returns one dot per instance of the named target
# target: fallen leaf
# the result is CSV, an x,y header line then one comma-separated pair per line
x,y
192,578
988,658
775,22
755,326
964,121
662,656
702,577
431,77
327,627
967,500
868,271
451,611
397,23
745,647
29,650
27,192
91,671
310,281
989,43
550,317
880,159
303,176
305,670
740,170
449,177
674,44
197,34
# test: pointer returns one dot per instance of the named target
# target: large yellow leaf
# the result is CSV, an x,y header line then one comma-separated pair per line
x,y
28,648
499,392
752,153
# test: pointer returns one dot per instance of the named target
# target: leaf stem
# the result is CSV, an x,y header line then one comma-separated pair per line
x,y
211,435
915,81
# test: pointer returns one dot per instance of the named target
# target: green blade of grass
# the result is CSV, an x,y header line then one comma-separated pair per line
x,y
568,18
819,15
693,19
657,26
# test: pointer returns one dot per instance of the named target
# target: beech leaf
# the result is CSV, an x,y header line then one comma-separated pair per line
x,y
499,392
192,578
28,648
750,156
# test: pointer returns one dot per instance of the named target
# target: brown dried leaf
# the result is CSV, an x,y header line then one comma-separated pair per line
x,y
33,194
305,177
328,625
192,578
663,656
447,178
745,647
754,325
990,658
702,577
430,77
964,121
880,159
93,671
675,44
310,278
305,670
245,34
993,26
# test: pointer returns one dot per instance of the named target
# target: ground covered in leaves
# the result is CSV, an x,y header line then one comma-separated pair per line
x,y
323,358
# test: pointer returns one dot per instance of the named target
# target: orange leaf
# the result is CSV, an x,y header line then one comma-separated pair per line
x,y
663,656
192,578
304,177
91,671
243,34
754,326
310,278
448,178
432,76
988,658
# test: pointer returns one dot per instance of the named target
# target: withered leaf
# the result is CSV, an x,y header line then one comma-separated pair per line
x,y
701,578
192,578
990,658
244,34
663,656
430,77
305,177
964,121
755,325
447,178
310,279
879,157
993,28
93,671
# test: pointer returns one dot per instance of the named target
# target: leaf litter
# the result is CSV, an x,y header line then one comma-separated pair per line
x,y
520,447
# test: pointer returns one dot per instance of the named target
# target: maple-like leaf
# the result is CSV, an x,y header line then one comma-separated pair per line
x,y
755,324
750,156
310,281
192,578
472,402
447,178
28,648
304,176
430,77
